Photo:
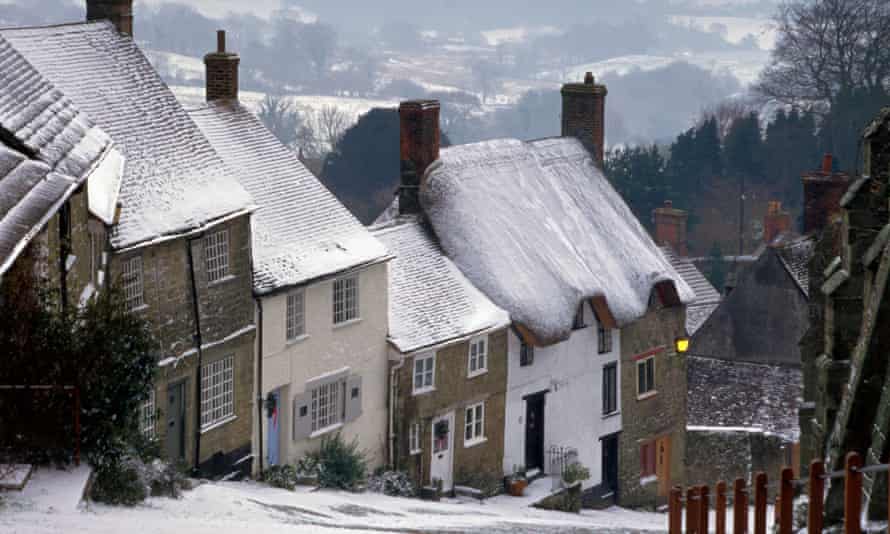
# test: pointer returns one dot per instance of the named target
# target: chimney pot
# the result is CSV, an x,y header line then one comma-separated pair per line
x,y
827,163
118,12
221,41
775,222
668,203
221,71
588,79
584,115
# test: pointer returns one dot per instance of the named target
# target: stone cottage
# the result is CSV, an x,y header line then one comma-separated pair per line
x,y
538,229
320,283
844,354
178,235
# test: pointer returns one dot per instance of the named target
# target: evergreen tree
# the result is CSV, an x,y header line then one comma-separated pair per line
x,y
743,148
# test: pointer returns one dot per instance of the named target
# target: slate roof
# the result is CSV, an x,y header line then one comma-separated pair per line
x,y
706,297
173,179
430,300
739,394
538,228
48,148
300,231
795,255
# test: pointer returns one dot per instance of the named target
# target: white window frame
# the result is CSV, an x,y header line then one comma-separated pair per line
x,y
651,388
148,417
474,424
217,392
477,362
216,255
295,315
429,369
415,446
345,293
607,368
327,405
132,283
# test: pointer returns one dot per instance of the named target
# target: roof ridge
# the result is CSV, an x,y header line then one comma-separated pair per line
x,y
57,25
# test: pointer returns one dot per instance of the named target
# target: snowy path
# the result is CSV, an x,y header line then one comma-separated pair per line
x,y
237,507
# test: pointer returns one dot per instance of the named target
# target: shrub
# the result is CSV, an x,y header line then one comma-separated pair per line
x,y
281,476
488,483
575,472
167,480
392,483
120,482
341,465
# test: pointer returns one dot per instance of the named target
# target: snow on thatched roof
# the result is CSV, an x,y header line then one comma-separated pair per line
x,y
538,228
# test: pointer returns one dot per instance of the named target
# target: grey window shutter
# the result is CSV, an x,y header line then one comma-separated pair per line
x,y
353,398
302,417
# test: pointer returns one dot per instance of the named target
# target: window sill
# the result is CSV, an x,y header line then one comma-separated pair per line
x,y
139,308
477,372
647,395
223,280
423,391
344,324
296,340
415,452
648,480
325,430
611,414
474,442
217,424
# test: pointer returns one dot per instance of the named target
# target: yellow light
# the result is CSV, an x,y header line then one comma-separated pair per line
x,y
682,344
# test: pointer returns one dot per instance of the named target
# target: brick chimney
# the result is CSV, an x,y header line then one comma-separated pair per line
x,y
119,12
776,221
584,114
221,71
419,147
822,192
670,227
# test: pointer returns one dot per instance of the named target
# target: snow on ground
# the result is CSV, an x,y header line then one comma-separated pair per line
x,y
237,507
49,491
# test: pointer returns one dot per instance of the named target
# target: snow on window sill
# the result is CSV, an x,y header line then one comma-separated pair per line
x,y
477,372
611,414
217,424
475,441
325,430
223,280
69,262
648,394
423,391
415,452
139,308
648,480
296,340
344,324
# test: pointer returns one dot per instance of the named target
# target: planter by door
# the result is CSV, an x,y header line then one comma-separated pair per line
x,y
442,459
534,432
273,424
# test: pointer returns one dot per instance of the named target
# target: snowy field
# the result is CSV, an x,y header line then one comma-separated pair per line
x,y
238,507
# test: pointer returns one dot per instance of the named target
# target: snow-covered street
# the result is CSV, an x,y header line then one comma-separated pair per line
x,y
235,507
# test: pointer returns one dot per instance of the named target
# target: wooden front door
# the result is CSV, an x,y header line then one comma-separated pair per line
x,y
610,462
175,442
663,465
534,432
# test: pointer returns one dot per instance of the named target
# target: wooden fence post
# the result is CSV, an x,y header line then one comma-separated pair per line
x,y
816,497
720,508
692,510
852,494
739,507
760,482
704,509
786,501
675,510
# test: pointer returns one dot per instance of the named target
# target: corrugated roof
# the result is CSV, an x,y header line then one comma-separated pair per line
x,y
538,228
706,297
430,300
173,179
300,231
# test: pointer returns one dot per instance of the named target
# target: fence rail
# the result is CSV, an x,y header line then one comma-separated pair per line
x,y
697,500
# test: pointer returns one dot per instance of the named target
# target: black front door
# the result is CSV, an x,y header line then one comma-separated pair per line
x,y
610,462
534,432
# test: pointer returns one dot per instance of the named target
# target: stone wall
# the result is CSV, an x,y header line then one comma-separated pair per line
x,y
662,415
454,391
77,275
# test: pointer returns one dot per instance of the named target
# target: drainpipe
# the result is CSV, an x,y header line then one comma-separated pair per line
x,y
198,343
259,382
393,386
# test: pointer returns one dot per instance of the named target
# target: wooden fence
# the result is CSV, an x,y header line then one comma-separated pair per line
x,y
697,501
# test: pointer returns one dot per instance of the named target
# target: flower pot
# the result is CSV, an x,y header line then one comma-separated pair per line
x,y
517,487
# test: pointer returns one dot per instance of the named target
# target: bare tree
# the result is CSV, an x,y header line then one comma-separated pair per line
x,y
332,123
828,48
726,112
281,118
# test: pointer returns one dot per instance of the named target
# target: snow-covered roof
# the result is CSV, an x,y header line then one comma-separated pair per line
x,y
538,228
706,297
725,393
300,230
795,254
430,301
173,179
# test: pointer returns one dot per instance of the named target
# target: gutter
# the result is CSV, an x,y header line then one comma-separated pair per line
x,y
198,344
259,383
199,231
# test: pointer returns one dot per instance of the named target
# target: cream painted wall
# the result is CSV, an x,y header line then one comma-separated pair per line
x,y
572,371
359,345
